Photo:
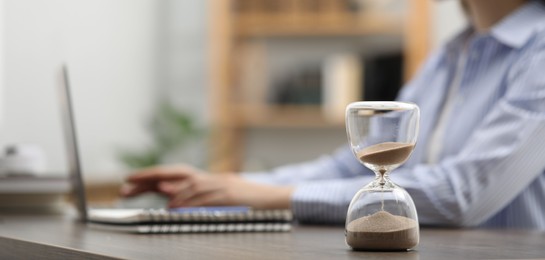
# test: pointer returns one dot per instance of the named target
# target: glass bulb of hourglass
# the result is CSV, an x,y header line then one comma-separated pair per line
x,y
384,157
382,215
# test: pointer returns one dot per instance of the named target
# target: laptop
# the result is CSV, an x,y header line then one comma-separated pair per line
x,y
156,220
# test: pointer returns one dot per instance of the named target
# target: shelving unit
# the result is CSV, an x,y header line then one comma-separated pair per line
x,y
372,23
234,23
285,116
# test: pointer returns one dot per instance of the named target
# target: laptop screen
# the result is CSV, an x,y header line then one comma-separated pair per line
x,y
74,166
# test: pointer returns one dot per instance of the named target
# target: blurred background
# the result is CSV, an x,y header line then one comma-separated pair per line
x,y
226,85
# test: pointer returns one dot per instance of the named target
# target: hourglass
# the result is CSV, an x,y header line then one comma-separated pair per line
x,y
382,215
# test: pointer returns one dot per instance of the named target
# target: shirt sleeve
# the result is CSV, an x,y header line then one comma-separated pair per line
x,y
501,158
341,164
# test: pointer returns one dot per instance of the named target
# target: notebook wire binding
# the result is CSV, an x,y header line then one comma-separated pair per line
x,y
194,221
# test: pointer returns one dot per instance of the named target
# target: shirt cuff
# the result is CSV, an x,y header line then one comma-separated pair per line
x,y
326,201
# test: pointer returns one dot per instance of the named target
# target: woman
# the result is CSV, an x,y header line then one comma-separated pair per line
x,y
480,157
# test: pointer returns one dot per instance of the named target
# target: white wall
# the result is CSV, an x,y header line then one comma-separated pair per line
x,y
111,50
1,61
183,53
447,18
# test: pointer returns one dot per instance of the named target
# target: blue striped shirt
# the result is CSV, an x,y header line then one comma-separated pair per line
x,y
491,163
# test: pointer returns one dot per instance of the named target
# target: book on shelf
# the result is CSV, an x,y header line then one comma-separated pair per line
x,y
351,77
342,84
301,87
383,76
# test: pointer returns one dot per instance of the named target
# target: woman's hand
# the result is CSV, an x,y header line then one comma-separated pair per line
x,y
190,187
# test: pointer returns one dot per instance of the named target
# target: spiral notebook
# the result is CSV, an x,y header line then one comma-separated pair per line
x,y
181,220
192,220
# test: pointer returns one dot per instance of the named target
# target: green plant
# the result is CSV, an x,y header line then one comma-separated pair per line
x,y
170,129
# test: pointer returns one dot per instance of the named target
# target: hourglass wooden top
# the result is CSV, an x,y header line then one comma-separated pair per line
x,y
387,153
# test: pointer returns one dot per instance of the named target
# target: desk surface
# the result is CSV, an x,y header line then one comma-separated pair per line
x,y
31,237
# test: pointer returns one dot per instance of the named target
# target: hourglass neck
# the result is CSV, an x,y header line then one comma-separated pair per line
x,y
382,180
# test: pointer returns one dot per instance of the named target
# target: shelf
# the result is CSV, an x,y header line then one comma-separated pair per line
x,y
369,24
237,26
284,116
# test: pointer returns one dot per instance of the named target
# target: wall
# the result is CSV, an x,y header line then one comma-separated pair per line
x,y
183,54
182,73
447,18
111,50
1,62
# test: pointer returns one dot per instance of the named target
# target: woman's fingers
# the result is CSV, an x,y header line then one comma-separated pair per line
x,y
187,188
185,192
215,190
195,187
130,190
162,173
211,198
172,188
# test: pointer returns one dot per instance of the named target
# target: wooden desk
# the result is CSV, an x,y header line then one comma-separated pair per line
x,y
50,237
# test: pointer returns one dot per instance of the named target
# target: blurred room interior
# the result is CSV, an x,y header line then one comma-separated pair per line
x,y
234,85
